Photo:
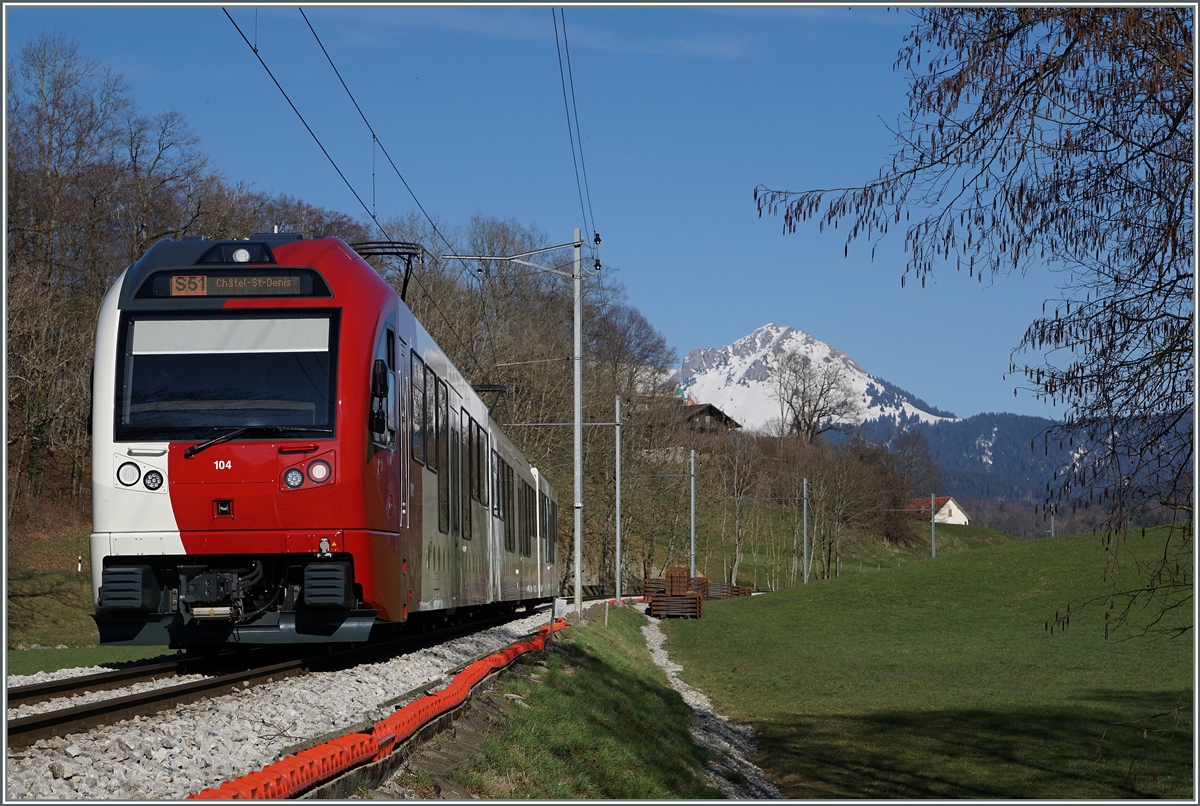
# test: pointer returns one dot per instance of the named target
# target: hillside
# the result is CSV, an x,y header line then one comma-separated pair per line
x,y
992,455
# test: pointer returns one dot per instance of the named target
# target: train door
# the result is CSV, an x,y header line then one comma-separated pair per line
x,y
466,556
383,424
455,479
403,443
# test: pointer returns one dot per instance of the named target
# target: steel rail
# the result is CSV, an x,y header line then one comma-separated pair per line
x,y
24,731
119,678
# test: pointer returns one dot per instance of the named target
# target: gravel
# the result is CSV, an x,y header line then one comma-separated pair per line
x,y
14,680
88,697
731,771
179,752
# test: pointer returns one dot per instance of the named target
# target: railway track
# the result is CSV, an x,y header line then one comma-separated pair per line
x,y
119,678
26,730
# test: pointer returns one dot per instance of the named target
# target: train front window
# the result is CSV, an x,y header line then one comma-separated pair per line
x,y
187,378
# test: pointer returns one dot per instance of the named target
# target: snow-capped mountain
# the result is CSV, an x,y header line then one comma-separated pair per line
x,y
737,380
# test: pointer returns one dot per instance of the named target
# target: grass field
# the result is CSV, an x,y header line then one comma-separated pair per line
x,y
602,723
52,609
862,552
941,679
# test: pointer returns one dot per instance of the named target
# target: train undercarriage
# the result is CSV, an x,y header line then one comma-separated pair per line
x,y
197,600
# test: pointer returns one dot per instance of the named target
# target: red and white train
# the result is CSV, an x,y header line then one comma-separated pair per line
x,y
282,454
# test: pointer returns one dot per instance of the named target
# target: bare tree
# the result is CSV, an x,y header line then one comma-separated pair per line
x,y
914,463
92,183
73,197
814,397
1063,138
737,460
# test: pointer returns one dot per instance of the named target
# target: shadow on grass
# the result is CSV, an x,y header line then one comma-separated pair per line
x,y
1112,745
595,730
50,608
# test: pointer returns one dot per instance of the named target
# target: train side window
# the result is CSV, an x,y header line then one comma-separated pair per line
x,y
393,408
481,450
526,517
552,537
443,453
510,517
431,420
544,518
531,530
418,409
384,403
466,488
470,490
478,474
454,472
519,499
495,483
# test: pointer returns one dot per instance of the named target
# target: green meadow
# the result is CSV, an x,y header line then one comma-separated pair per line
x,y
943,679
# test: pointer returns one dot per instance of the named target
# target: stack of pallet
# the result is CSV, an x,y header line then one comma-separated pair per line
x,y
690,605
679,581
723,590
700,586
653,586
676,599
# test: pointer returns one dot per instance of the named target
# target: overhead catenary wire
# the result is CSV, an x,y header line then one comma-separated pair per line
x,y
347,182
578,135
571,131
374,137
376,141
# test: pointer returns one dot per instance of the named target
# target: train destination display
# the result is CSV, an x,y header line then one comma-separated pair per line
x,y
202,285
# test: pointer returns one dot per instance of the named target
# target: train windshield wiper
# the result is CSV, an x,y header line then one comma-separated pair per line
x,y
237,432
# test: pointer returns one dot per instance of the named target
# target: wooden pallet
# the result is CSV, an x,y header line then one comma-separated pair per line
x,y
690,605
653,586
723,590
679,581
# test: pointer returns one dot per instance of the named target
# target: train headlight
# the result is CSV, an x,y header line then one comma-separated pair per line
x,y
293,478
318,471
153,480
128,474
241,255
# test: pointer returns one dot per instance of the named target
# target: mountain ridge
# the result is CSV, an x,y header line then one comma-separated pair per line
x,y
987,455
736,378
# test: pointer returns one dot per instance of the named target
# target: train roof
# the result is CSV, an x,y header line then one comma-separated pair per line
x,y
266,254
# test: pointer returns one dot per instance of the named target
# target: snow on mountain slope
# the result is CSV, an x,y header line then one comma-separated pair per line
x,y
737,380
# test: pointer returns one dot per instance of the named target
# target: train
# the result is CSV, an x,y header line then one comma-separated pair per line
x,y
281,454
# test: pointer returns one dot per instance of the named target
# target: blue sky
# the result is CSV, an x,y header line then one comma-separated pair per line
x,y
682,111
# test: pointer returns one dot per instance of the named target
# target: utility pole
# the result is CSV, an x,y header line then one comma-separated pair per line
x,y
806,531
577,276
933,524
693,571
617,422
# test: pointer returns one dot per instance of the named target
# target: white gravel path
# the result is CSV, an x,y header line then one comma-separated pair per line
x,y
733,744
176,753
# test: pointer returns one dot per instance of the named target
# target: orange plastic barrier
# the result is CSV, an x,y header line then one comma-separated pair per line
x,y
296,774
